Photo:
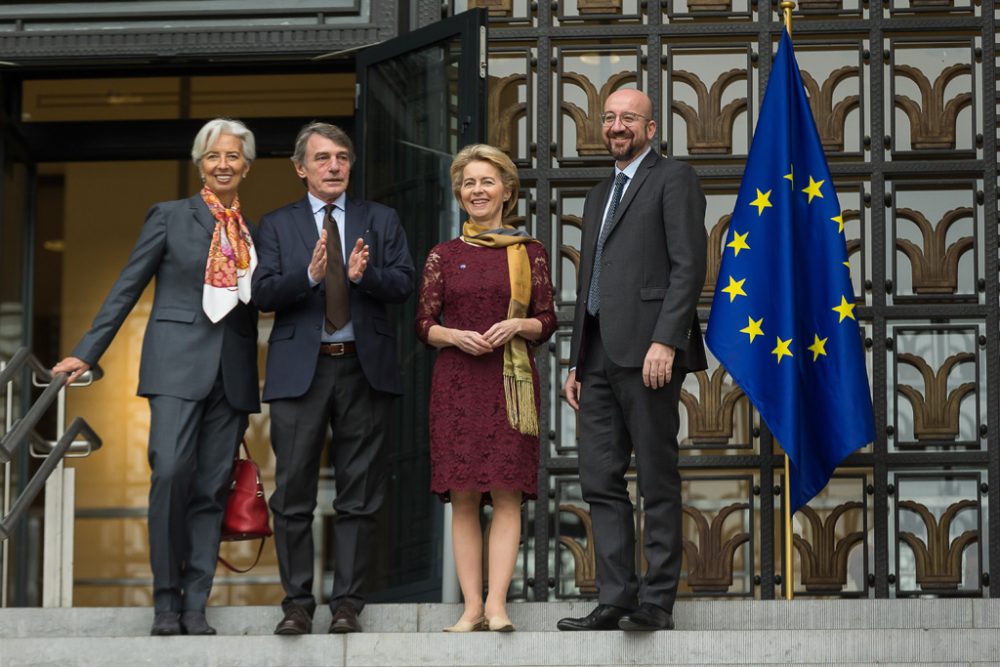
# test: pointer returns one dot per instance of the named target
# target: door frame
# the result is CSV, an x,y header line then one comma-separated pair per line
x,y
471,27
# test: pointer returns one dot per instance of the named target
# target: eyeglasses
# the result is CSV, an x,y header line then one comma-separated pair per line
x,y
627,118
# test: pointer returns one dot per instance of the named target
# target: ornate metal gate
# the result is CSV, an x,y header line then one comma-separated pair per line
x,y
905,96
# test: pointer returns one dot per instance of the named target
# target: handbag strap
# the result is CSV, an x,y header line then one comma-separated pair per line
x,y
229,566
260,548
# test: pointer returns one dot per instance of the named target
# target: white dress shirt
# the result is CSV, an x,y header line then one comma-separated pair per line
x,y
346,333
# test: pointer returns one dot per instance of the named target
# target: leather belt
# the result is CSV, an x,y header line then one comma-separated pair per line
x,y
338,349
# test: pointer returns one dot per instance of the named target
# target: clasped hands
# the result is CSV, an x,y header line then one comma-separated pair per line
x,y
657,370
475,343
357,262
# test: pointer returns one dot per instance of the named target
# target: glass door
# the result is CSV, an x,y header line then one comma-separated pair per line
x,y
421,97
19,553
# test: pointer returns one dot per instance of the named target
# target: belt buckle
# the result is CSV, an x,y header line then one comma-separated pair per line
x,y
336,349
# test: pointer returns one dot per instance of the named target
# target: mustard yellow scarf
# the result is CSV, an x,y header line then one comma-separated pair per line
x,y
517,381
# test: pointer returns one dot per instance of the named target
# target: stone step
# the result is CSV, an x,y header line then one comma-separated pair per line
x,y
842,632
701,615
680,647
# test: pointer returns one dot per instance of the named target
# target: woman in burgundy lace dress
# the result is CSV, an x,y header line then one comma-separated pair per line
x,y
485,303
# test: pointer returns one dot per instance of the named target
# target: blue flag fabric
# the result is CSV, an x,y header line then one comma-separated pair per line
x,y
782,321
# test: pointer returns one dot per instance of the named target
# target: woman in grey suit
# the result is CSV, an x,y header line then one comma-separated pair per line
x,y
198,368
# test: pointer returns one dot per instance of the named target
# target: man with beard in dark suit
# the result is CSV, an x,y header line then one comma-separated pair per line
x,y
635,336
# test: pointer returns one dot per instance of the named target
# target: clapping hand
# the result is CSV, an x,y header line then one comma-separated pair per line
x,y
358,261
317,264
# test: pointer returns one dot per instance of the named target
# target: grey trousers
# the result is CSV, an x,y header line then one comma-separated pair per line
x,y
619,414
341,399
191,450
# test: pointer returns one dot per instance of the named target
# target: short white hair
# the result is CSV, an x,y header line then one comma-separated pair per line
x,y
213,129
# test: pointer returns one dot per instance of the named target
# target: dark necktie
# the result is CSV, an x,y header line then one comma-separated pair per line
x,y
594,293
337,307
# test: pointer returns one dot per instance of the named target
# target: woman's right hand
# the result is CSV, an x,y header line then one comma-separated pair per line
x,y
75,367
470,342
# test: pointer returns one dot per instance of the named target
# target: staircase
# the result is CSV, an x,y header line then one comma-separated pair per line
x,y
903,632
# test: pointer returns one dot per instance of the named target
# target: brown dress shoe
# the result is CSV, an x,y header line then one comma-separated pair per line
x,y
345,619
297,621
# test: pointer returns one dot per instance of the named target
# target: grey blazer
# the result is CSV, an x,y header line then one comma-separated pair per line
x,y
652,267
182,349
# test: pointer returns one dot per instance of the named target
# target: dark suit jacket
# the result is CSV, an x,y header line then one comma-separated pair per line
x,y
652,267
281,284
182,349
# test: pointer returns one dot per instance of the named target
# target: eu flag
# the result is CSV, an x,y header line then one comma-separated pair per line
x,y
783,322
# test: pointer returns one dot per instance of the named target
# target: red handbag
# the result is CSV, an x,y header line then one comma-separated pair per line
x,y
246,516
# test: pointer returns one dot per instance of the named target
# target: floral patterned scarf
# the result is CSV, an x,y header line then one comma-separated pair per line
x,y
231,259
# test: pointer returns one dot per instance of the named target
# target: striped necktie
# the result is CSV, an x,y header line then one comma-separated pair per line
x,y
594,294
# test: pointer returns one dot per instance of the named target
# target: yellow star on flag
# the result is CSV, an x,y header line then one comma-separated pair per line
x,y
840,221
738,243
753,328
813,189
790,176
845,309
782,349
762,201
817,347
735,289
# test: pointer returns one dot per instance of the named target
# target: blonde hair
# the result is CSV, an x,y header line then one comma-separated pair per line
x,y
490,155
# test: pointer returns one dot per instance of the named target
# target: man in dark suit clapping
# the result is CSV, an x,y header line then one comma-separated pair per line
x,y
328,266
635,335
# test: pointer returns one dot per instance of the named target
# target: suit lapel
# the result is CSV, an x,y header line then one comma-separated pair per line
x,y
201,213
355,214
640,175
596,214
305,223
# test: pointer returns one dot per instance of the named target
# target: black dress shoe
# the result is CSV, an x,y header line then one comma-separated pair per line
x,y
297,621
604,617
194,623
166,623
345,619
647,618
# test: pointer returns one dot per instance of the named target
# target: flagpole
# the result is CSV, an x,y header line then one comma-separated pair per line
x,y
786,7
789,594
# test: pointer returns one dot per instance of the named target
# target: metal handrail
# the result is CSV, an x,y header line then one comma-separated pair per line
x,y
23,357
37,482
42,448
23,431
41,377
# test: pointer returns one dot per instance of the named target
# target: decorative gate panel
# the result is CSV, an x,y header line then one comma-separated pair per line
x,y
904,94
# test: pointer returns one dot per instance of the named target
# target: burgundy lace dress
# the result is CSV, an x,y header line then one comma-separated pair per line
x,y
473,448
